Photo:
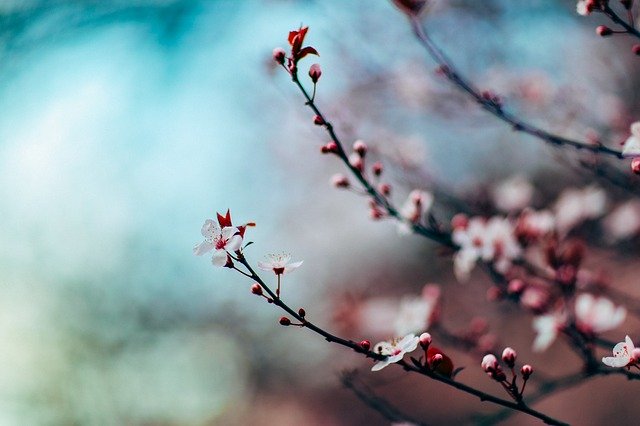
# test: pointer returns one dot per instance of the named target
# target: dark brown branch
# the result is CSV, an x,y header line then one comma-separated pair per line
x,y
496,109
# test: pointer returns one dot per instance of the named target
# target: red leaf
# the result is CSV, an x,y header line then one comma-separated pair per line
x,y
307,51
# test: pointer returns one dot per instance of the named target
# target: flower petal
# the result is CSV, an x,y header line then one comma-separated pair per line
x,y
265,266
219,258
293,266
380,365
202,248
209,229
234,243
616,361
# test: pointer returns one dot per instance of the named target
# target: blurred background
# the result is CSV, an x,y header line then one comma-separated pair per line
x,y
125,124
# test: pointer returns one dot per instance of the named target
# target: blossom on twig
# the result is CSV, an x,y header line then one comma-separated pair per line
x,y
279,264
221,240
394,350
596,315
623,354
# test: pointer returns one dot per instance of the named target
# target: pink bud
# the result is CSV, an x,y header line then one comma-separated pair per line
x,y
330,147
365,345
360,147
489,363
285,321
340,181
384,189
279,55
603,31
636,49
377,168
515,286
315,72
356,162
318,121
526,371
460,221
435,360
375,213
256,289
636,355
635,165
302,312
509,356
425,340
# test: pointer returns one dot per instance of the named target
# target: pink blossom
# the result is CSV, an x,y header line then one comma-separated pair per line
x,y
631,146
418,203
417,313
491,240
279,264
489,363
394,350
512,194
624,221
574,206
547,328
220,240
597,314
623,354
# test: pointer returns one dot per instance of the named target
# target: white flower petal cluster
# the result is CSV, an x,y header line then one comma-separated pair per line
x,y
623,354
598,314
574,206
631,146
394,350
220,240
491,240
279,264
513,194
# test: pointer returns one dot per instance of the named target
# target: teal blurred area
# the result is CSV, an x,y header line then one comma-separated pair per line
x,y
123,126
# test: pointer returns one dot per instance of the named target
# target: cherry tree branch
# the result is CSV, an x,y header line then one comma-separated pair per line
x,y
329,337
495,108
629,28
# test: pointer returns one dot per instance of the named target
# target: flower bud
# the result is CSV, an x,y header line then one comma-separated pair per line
x,y
360,147
526,371
509,356
315,72
515,286
365,345
302,312
285,321
330,147
603,31
489,363
384,189
460,221
256,289
377,168
340,181
635,165
636,49
356,162
425,340
636,355
279,55
318,121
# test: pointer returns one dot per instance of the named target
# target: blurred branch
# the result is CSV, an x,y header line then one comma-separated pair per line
x,y
489,103
368,397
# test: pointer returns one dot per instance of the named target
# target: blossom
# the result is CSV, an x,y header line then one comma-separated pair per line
x,y
394,350
582,8
512,194
597,314
491,240
547,328
221,240
574,206
624,221
417,204
631,146
279,264
533,225
623,354
417,313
